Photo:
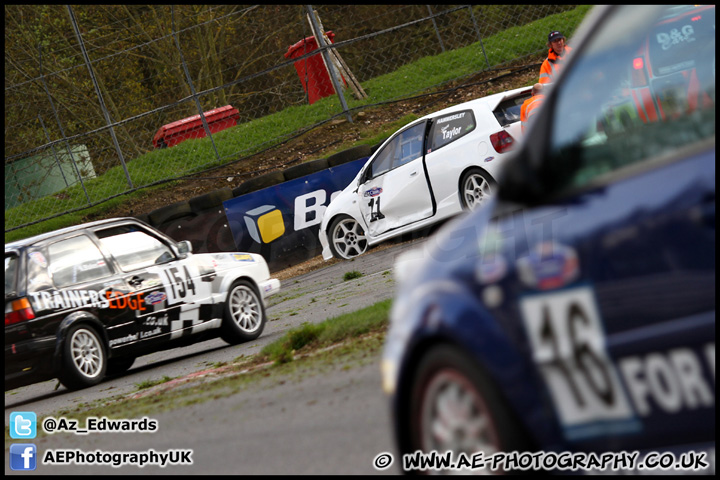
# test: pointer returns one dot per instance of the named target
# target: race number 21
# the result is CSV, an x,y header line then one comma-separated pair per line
x,y
568,344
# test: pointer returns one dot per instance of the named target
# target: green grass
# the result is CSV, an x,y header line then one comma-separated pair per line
x,y
352,275
251,137
318,335
151,383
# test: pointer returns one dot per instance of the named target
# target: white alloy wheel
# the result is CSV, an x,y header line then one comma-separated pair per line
x,y
347,238
476,187
455,407
86,352
244,308
244,314
84,361
454,417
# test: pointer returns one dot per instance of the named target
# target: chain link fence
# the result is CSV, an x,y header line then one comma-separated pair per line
x,y
103,100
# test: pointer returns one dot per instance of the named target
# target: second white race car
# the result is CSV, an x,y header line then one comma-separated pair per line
x,y
427,171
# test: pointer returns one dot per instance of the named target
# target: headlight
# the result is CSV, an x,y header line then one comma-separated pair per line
x,y
396,340
408,264
388,368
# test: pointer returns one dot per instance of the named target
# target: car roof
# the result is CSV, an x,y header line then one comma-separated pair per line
x,y
43,236
490,101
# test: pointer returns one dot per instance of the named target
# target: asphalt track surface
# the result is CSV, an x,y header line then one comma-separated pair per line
x,y
335,422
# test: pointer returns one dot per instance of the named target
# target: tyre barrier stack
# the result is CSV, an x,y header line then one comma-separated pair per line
x,y
204,220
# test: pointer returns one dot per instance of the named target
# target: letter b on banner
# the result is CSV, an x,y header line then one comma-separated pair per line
x,y
309,209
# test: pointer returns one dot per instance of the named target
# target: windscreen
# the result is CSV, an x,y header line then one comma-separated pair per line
x,y
509,110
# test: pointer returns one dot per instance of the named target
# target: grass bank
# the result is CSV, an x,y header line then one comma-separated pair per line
x,y
252,137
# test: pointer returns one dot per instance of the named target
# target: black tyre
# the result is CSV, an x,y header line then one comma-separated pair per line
x,y
84,359
306,168
258,183
210,200
454,405
244,314
116,366
349,155
169,212
476,186
347,238
143,217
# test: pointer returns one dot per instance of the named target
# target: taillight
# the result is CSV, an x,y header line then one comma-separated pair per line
x,y
18,311
502,141
638,73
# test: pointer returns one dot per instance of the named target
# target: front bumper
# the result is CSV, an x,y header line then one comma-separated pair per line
x,y
326,252
269,287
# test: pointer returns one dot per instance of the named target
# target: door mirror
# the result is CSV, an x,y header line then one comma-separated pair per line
x,y
522,179
184,248
525,178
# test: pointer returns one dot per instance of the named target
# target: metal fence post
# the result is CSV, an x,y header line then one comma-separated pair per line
x,y
106,114
437,31
477,30
192,86
328,62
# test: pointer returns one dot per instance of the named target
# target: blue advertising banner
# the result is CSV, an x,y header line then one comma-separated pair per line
x,y
282,222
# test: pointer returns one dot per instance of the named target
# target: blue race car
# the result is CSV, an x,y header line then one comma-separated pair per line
x,y
576,311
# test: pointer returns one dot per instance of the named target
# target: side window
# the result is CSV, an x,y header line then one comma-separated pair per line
x,y
411,144
449,128
11,267
601,124
76,260
134,248
403,148
383,160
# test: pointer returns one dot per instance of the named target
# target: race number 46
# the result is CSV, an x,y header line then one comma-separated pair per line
x,y
568,345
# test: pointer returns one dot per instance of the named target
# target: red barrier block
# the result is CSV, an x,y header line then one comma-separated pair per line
x,y
191,127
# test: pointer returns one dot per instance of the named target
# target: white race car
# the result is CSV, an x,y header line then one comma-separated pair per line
x,y
427,171
85,301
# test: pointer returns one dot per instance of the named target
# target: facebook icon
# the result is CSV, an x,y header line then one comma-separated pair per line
x,y
23,456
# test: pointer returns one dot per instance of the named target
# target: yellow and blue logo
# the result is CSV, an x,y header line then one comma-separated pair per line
x,y
265,223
